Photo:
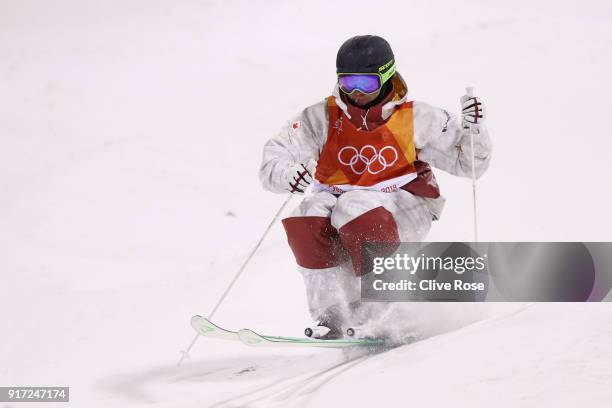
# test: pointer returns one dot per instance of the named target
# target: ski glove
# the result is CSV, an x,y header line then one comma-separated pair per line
x,y
472,111
299,176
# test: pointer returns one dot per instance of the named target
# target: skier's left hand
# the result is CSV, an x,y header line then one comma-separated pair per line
x,y
472,111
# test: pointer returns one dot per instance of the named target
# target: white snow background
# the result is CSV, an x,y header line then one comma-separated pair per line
x,y
130,139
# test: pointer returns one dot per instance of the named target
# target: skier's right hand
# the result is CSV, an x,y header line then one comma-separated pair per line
x,y
299,176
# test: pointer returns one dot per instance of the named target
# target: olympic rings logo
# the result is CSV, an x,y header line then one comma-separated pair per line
x,y
368,158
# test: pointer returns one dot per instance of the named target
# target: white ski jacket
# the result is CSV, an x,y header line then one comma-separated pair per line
x,y
438,135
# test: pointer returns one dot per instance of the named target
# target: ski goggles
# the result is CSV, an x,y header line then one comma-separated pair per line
x,y
367,83
364,83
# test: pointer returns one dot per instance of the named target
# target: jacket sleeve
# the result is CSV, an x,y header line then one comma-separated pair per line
x,y
444,144
299,140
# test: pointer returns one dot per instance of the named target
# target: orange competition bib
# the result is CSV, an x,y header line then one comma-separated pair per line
x,y
381,159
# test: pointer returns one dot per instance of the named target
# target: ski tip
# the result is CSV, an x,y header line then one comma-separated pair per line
x,y
203,326
250,338
196,320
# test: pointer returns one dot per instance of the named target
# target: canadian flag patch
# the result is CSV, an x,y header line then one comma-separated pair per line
x,y
295,125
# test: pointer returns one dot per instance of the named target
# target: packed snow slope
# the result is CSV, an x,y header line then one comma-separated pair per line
x,y
130,138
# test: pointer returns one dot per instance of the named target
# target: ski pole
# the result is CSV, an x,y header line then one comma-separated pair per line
x,y
185,353
470,92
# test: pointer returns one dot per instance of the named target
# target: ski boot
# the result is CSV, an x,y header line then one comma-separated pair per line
x,y
329,326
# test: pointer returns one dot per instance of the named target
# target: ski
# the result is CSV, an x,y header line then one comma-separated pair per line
x,y
251,338
207,328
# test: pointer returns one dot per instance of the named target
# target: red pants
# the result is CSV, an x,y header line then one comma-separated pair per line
x,y
327,234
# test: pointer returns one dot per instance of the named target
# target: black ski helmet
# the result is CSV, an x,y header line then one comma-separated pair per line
x,y
366,54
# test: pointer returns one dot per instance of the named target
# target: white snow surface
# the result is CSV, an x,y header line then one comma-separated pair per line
x,y
130,139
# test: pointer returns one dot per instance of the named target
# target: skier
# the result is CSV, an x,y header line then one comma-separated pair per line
x,y
367,151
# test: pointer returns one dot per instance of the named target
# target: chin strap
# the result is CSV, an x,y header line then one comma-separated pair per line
x,y
364,122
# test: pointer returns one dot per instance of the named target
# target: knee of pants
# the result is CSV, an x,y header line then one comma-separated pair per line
x,y
315,243
353,204
319,204
365,222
